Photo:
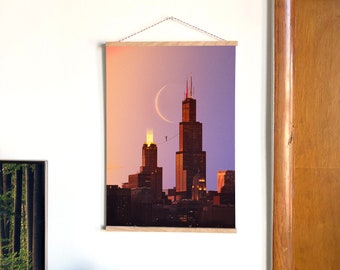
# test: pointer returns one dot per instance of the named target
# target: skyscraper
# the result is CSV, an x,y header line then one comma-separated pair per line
x,y
190,159
226,186
226,179
150,176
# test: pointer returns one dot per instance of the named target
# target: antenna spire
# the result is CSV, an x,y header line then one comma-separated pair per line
x,y
190,86
186,90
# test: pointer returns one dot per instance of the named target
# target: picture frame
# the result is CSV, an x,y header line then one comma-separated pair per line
x,y
137,73
23,214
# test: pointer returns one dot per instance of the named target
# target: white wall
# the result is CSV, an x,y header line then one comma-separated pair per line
x,y
52,108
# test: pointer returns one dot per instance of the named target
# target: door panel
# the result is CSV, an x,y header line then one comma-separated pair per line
x,y
316,218
307,135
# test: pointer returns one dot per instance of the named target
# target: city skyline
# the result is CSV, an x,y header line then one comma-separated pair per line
x,y
145,89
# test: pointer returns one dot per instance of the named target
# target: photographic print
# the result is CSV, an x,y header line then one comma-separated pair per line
x,y
170,134
22,214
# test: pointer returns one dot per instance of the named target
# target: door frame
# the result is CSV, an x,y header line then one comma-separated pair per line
x,y
283,135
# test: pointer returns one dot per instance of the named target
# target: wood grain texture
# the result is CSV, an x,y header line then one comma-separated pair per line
x,y
167,229
316,220
316,76
174,43
283,137
307,174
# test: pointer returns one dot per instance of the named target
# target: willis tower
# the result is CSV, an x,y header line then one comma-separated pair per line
x,y
190,159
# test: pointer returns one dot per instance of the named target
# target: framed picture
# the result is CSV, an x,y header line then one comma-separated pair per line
x,y
170,135
22,215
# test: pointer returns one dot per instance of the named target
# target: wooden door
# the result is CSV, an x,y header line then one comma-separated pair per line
x,y
306,219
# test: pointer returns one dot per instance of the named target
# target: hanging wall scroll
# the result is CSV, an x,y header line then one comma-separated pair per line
x,y
170,134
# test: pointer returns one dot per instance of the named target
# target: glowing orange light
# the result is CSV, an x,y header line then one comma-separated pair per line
x,y
149,136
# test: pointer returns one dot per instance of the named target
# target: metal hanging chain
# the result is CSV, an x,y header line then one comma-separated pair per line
x,y
175,20
195,28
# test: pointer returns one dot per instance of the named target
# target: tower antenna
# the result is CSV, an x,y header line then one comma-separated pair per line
x,y
186,89
190,86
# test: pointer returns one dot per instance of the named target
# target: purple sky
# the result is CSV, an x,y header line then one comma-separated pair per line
x,y
134,76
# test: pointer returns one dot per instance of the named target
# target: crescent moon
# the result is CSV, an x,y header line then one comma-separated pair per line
x,y
157,107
